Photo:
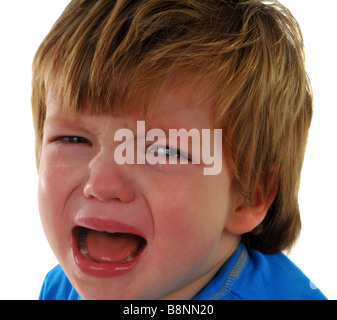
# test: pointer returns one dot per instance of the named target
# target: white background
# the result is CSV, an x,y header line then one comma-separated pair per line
x,y
25,256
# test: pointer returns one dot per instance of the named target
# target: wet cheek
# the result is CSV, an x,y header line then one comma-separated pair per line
x,y
50,194
56,182
54,189
51,183
57,174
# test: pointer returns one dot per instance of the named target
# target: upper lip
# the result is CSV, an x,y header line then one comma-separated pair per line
x,y
111,226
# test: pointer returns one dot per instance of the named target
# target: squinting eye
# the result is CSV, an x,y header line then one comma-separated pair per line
x,y
170,152
72,139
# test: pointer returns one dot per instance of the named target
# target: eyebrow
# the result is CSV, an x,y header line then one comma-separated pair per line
x,y
78,121
65,120
62,119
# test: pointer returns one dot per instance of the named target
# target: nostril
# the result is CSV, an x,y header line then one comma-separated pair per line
x,y
87,192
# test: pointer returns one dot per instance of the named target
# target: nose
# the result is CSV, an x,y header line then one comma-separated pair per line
x,y
108,180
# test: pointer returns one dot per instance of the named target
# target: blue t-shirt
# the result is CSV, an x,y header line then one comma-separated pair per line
x,y
246,275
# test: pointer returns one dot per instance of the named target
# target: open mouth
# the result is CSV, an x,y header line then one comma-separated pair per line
x,y
108,248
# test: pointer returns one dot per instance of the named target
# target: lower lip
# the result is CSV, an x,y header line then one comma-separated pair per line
x,y
101,270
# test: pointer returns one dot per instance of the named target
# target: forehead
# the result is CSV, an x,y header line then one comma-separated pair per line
x,y
176,100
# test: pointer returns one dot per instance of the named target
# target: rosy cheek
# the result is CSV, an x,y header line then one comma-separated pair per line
x,y
60,163
175,220
54,175
56,182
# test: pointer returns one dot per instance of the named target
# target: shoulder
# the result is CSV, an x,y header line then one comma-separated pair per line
x,y
251,275
56,286
275,277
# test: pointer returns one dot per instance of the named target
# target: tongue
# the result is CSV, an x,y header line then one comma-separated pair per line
x,y
112,247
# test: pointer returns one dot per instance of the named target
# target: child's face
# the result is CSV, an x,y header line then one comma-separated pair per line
x,y
181,212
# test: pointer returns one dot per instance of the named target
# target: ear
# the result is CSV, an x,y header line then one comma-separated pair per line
x,y
244,218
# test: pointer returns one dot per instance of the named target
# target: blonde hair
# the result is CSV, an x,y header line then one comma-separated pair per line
x,y
101,52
